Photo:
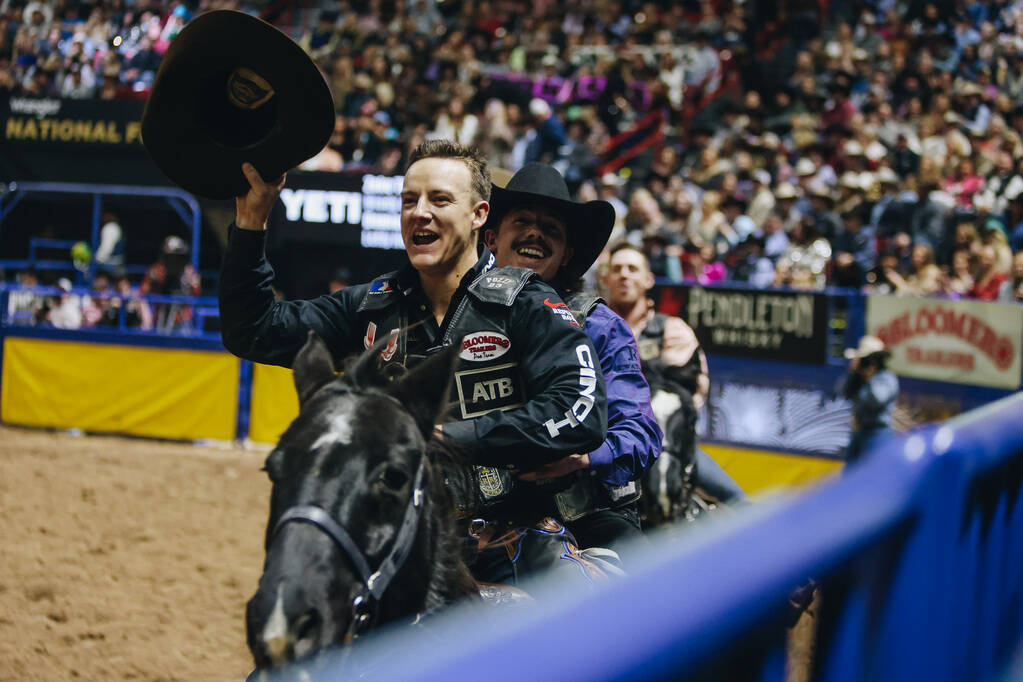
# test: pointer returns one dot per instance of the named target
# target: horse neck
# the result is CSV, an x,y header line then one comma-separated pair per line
x,y
434,574
450,579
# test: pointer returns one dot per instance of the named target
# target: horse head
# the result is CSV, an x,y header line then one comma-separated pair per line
x,y
355,528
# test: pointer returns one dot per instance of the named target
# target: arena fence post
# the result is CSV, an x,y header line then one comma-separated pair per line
x,y
244,400
4,297
97,215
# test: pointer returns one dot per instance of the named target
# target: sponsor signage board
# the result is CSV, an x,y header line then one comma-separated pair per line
x,y
52,120
786,326
343,208
964,342
60,140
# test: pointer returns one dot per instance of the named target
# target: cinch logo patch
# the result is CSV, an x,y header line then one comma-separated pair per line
x,y
480,346
485,390
584,402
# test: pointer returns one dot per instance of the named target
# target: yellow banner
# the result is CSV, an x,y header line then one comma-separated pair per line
x,y
157,392
759,470
274,403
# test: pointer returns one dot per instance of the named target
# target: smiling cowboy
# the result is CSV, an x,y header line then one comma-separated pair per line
x,y
533,223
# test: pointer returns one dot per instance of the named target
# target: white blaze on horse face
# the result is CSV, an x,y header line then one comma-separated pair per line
x,y
276,636
338,432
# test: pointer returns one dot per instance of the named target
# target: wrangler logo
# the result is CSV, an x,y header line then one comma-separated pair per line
x,y
492,388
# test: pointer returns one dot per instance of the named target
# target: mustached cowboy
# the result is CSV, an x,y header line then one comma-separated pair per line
x,y
533,223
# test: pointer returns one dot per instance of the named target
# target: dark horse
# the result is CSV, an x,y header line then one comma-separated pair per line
x,y
361,529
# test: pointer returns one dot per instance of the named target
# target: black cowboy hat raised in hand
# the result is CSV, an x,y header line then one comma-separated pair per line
x,y
234,89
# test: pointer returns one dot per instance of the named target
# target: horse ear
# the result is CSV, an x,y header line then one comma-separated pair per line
x,y
313,368
364,370
424,390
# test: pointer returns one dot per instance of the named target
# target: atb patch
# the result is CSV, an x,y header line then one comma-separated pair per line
x,y
481,346
488,389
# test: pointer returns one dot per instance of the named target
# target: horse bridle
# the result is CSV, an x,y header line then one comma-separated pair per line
x,y
374,583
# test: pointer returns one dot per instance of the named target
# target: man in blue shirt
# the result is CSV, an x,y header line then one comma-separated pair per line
x,y
533,224
872,389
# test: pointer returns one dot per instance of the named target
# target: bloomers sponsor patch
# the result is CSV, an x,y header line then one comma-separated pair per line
x,y
480,346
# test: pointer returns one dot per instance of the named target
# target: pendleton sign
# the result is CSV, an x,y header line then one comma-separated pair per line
x,y
753,323
54,121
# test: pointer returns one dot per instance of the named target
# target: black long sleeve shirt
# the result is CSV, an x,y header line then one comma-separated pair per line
x,y
553,354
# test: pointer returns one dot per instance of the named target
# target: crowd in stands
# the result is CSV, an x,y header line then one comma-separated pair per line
x,y
85,49
888,159
111,300
872,144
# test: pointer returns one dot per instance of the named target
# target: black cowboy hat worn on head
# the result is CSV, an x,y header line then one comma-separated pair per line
x,y
232,88
589,224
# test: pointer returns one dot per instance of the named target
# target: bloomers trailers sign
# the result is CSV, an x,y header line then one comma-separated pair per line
x,y
964,342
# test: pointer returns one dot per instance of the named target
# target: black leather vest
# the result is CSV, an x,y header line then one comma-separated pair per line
x,y
651,339
488,376
582,304
661,376
479,324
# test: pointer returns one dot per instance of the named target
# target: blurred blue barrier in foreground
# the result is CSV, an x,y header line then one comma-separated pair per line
x,y
918,553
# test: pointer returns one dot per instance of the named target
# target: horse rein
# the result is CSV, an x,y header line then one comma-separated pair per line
x,y
374,583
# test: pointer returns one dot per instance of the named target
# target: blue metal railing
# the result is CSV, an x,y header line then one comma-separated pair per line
x,y
199,308
181,202
917,552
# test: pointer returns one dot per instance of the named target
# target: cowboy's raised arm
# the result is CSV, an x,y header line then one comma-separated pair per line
x,y
566,408
253,324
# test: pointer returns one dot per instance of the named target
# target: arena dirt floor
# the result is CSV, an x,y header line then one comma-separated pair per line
x,y
126,559
131,559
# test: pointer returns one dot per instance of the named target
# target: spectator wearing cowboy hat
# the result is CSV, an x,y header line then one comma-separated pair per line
x,y
534,224
872,389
